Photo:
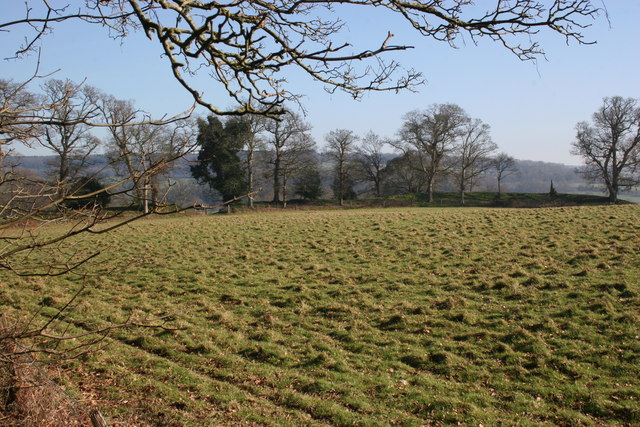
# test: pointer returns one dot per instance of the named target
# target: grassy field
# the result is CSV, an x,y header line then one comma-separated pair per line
x,y
366,317
449,199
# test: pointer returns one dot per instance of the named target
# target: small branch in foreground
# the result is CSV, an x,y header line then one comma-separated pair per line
x,y
219,205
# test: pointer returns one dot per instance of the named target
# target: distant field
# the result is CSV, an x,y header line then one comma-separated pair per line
x,y
366,317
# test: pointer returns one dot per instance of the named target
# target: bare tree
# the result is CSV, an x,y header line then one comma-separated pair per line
x,y
504,165
430,136
19,118
296,158
138,145
472,154
287,137
29,204
401,177
252,145
341,146
610,146
246,46
69,107
124,132
370,161
159,145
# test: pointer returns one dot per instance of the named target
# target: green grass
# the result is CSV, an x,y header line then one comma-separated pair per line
x,y
452,199
366,317
514,200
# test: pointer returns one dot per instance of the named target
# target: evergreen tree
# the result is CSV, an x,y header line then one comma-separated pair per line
x,y
218,162
309,184
552,190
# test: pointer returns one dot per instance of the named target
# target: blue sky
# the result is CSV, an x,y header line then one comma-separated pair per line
x,y
532,107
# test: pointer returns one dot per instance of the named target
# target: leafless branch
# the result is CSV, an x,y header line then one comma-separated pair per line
x,y
245,46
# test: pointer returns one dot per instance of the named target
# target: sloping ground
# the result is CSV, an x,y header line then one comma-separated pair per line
x,y
366,317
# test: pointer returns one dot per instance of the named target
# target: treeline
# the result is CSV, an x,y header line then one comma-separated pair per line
x,y
62,117
439,147
531,177
269,158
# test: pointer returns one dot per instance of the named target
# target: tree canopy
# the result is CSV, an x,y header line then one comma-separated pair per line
x,y
218,162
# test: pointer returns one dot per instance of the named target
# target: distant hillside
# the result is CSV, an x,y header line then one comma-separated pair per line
x,y
43,165
536,177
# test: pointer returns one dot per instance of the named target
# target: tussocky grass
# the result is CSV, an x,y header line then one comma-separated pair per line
x,y
406,316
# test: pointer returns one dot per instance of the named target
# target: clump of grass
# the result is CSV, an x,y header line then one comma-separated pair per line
x,y
394,322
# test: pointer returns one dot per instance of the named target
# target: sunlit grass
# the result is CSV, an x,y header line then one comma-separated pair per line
x,y
368,317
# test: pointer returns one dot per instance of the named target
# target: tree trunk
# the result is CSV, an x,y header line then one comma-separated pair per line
x,y
131,168
284,191
430,189
145,197
63,174
462,178
431,178
276,181
613,195
155,192
250,177
341,182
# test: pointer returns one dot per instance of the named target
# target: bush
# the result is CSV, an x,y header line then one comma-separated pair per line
x,y
83,186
